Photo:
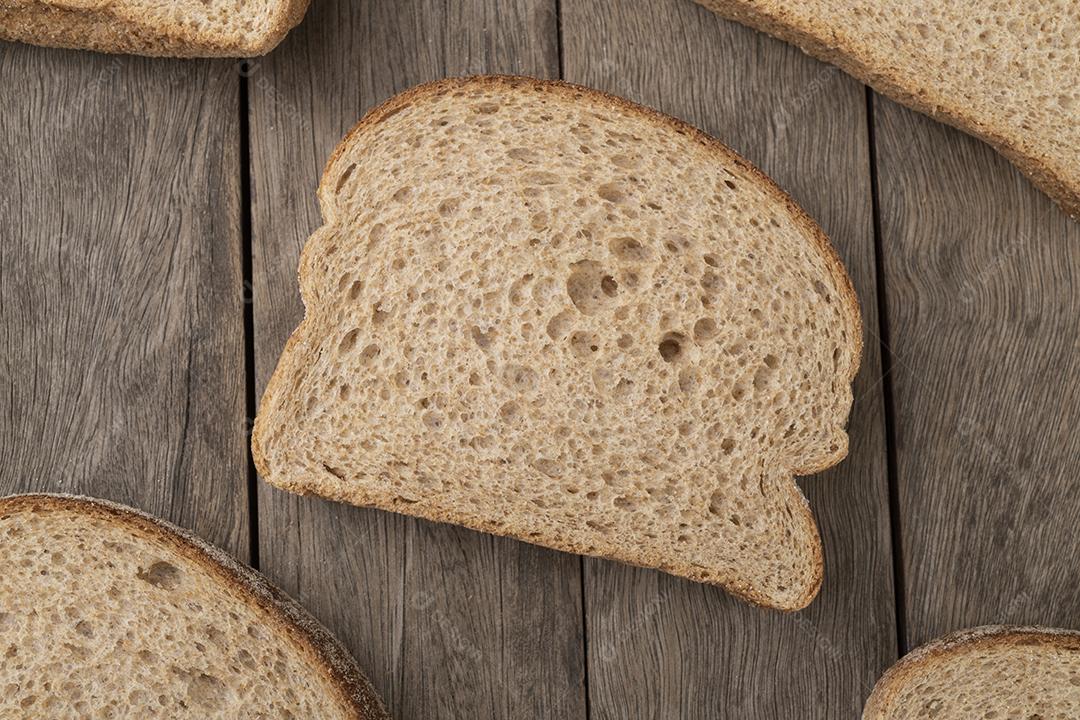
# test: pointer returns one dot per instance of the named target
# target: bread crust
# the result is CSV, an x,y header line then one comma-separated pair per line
x,y
109,29
885,692
354,691
308,283
825,44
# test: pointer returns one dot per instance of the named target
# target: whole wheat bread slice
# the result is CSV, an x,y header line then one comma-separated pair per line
x,y
988,672
541,311
177,28
1006,72
108,612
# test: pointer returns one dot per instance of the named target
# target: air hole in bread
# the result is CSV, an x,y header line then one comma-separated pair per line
x,y
333,471
482,339
612,192
705,329
449,206
583,344
688,380
764,375
523,154
627,249
344,177
378,314
520,378
558,326
598,526
369,353
711,281
671,346
590,287
348,341
161,575
375,235
622,388
509,411
541,178
549,467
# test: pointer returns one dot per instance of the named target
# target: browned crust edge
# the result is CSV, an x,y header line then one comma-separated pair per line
x,y
842,282
109,31
944,649
821,43
286,615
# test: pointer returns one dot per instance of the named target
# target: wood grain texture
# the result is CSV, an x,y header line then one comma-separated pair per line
x,y
662,647
983,293
121,333
447,622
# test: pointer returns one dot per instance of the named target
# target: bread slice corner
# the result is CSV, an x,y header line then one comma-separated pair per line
x,y
1005,73
998,671
177,28
111,610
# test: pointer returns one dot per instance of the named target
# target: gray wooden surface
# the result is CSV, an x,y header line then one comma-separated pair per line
x,y
151,217
121,293
983,294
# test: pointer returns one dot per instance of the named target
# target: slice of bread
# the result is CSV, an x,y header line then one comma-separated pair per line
x,y
108,612
988,672
177,28
1006,72
541,311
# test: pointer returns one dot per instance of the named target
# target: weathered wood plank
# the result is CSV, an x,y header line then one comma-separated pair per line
x,y
983,293
121,315
447,622
662,647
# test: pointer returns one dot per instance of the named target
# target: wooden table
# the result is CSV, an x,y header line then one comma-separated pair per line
x,y
151,217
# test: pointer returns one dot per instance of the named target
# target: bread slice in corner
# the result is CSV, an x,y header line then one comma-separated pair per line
x,y
1006,72
987,672
176,28
107,612
541,311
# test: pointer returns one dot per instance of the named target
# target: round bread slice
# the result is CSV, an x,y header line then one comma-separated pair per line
x,y
108,612
988,672
542,311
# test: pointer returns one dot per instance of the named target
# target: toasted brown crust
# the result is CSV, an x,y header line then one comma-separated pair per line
x,y
308,280
355,693
824,44
109,30
940,651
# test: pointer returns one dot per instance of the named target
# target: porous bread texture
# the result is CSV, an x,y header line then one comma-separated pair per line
x,y
987,673
541,311
1006,72
178,28
107,612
